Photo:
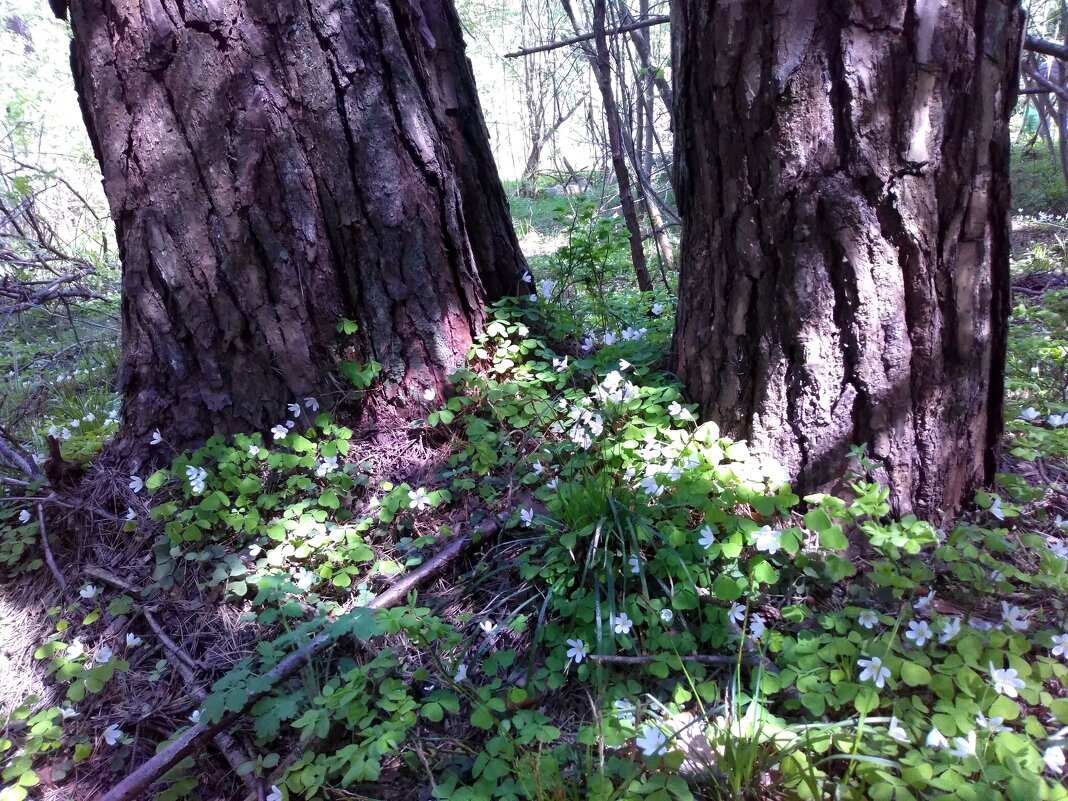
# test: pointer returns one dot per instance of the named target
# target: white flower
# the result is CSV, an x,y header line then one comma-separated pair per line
x,y
418,499
90,417
736,613
624,364
897,731
621,624
650,486
1054,759
67,712
576,650
429,393
964,746
1014,617
103,655
132,640
633,334
546,288
157,438
75,649
311,404
1060,645
1006,681
919,632
868,619
24,516
874,670
657,310
197,476
112,735
610,338
136,484
635,564
560,365
1029,414
280,431
624,711
756,627
587,344
667,615
923,604
1057,420
527,277
1061,523
651,741
275,794
766,539
253,450
994,723
461,672
194,718
996,510
74,423
552,483
996,576
88,591
950,629
679,412
329,465
935,739
290,424
707,538
294,409
131,515
526,516
1058,549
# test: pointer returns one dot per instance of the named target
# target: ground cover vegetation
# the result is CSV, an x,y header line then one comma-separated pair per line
x,y
552,581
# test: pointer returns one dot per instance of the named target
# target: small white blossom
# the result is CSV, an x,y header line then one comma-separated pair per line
x,y
1014,617
576,650
157,438
418,500
868,619
89,591
74,423
90,417
526,516
311,404
275,794
667,615
707,538
280,431
75,649
922,606
919,632
996,510
873,669
587,344
67,712
650,486
1060,645
194,717
963,746
633,334
635,564
1058,549
461,672
756,627
136,484
651,741
1057,420
610,338
253,450
24,516
679,412
546,288
736,613
560,365
1054,759
294,409
290,424
527,277
935,739
897,731
624,711
657,310
621,624
950,629
552,483
328,465
103,655
1006,681
113,735
766,539
624,364
1029,414
131,515
429,394
993,723
132,640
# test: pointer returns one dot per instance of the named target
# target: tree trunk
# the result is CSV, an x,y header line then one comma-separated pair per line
x,y
843,183
273,167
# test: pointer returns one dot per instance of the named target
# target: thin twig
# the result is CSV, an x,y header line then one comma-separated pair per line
x,y
48,550
634,26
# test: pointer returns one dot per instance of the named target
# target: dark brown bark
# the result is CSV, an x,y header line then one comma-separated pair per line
x,y
273,166
843,183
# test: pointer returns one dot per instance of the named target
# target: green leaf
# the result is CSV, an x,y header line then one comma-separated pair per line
x,y
914,675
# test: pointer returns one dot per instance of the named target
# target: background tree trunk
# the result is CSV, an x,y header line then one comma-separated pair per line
x,y
273,166
843,181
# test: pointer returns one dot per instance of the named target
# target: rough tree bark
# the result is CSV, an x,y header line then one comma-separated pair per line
x,y
843,182
274,166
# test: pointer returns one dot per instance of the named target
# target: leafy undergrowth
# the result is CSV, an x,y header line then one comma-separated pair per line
x,y
658,617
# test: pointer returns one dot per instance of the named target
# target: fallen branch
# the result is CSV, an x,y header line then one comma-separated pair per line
x,y
49,559
633,26
1046,48
199,734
